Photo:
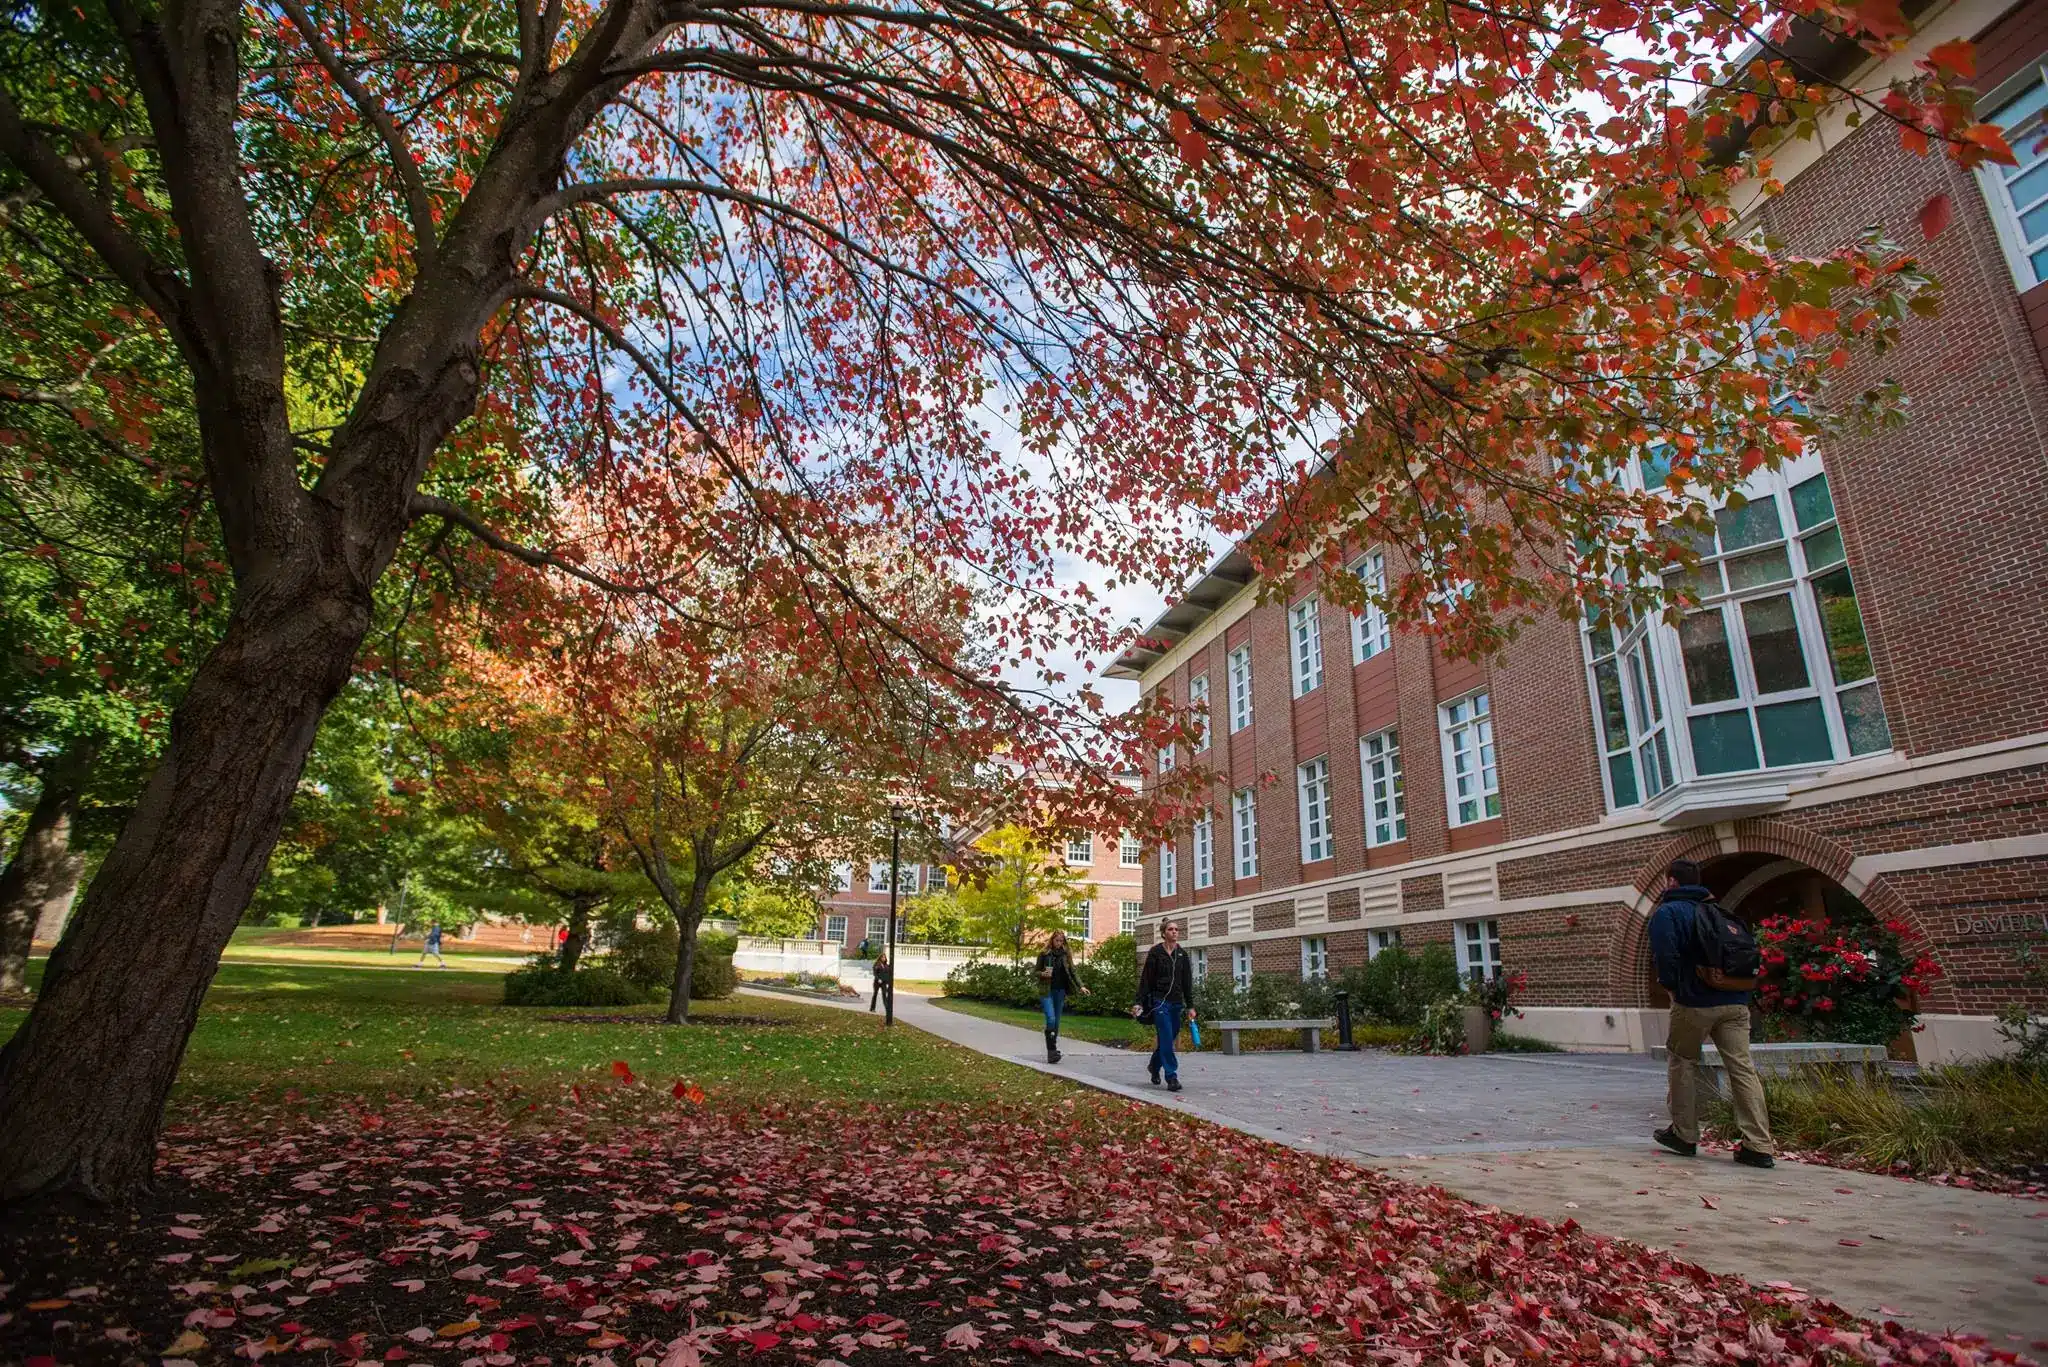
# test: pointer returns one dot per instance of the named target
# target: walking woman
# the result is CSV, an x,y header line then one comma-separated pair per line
x,y
1055,980
1166,993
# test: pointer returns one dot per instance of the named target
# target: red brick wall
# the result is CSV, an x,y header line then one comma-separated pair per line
x,y
1422,894
1942,516
1979,918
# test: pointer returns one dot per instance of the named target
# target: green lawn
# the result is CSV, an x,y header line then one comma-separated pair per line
x,y
1094,1029
330,1032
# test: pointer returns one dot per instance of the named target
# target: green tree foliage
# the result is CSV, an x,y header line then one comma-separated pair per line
x,y
1017,890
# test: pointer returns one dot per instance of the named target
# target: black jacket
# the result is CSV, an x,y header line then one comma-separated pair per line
x,y
1062,971
1167,977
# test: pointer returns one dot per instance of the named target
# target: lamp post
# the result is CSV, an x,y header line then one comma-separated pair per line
x,y
895,886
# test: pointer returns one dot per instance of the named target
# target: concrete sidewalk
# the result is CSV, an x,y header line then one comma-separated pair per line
x,y
1566,1137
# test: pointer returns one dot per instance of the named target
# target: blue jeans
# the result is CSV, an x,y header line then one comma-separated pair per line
x,y
1054,1004
1165,1025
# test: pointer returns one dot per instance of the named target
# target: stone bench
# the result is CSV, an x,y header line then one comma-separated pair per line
x,y
1311,1042
1784,1060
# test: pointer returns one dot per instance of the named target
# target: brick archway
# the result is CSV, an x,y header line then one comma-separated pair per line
x,y
1631,980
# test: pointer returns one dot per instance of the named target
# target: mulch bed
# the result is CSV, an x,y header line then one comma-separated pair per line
x,y
639,1228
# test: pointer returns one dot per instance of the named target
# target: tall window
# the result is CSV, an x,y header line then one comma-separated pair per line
x,y
878,875
1315,958
1630,704
936,879
1205,851
1201,965
1241,966
1371,633
1479,950
1307,636
1378,942
1081,850
878,927
1471,780
1130,852
1386,807
1165,759
2018,194
1169,871
842,877
1127,916
1776,667
1315,810
835,928
1240,688
1080,919
1198,704
1244,822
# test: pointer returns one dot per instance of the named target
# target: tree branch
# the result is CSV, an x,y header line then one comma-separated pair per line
x,y
419,205
429,505
154,283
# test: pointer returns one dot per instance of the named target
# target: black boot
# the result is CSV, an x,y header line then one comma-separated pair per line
x,y
1052,1046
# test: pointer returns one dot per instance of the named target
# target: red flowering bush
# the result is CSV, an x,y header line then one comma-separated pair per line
x,y
1843,981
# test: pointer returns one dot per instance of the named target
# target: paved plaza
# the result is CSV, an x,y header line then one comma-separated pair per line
x,y
1565,1137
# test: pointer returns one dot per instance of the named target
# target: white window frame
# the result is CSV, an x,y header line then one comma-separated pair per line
x,y
1169,871
1127,913
878,929
878,875
935,880
1241,966
1086,845
1636,740
1315,958
1318,839
1201,963
1386,801
1130,852
1378,942
835,929
1198,707
842,877
1305,646
2027,94
1166,759
1244,821
1240,687
1371,632
1083,912
1205,850
1478,949
1471,764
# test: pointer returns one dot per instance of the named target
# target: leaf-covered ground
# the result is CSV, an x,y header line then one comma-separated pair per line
x,y
630,1225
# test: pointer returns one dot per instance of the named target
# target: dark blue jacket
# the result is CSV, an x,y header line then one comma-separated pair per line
x,y
1671,947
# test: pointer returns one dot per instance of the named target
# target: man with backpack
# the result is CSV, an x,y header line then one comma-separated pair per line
x,y
1708,961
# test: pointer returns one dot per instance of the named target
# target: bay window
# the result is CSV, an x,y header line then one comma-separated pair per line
x,y
2018,194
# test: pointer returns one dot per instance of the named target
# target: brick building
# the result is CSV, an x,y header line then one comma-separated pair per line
x,y
1855,711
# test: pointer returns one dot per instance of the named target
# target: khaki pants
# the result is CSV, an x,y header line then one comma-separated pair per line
x,y
1728,1027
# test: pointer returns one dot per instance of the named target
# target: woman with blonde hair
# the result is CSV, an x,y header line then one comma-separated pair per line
x,y
1055,980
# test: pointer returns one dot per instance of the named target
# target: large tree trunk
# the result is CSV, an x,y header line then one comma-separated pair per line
x,y
41,879
580,907
688,918
84,1081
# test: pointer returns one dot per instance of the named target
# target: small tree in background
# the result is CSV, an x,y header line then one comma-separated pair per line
x,y
1019,891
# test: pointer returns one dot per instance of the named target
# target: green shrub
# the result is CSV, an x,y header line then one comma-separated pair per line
x,y
1112,986
1443,1027
1111,974
645,958
1398,986
543,983
712,976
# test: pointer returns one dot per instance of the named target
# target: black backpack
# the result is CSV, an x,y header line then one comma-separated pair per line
x,y
1724,953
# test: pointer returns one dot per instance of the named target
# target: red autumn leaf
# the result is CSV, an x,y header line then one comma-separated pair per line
x,y
623,1072
1808,321
1957,57
1934,216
